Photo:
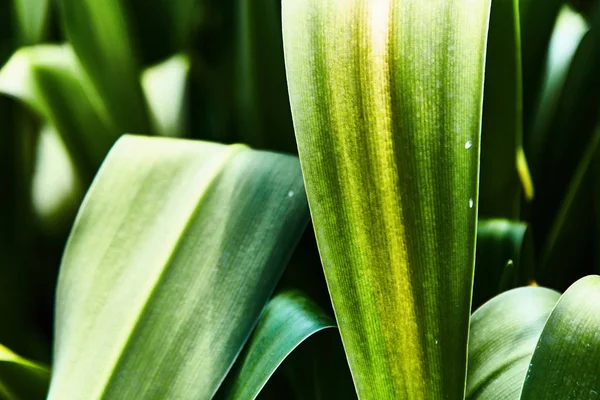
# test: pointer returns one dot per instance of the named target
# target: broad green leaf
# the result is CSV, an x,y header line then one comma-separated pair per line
x,y
174,254
504,258
166,88
102,40
386,99
502,125
49,80
565,362
503,336
31,20
21,379
289,319
262,103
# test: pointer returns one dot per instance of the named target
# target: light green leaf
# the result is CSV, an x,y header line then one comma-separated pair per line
x,y
173,256
289,319
166,88
49,80
502,128
504,333
498,242
386,98
565,362
30,20
56,189
102,40
21,379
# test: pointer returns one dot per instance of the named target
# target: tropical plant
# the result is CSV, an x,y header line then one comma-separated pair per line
x,y
441,154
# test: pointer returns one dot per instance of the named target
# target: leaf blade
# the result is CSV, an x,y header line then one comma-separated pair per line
x,y
565,362
369,121
289,319
191,222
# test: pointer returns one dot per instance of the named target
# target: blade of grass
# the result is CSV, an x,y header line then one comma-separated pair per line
x,y
386,99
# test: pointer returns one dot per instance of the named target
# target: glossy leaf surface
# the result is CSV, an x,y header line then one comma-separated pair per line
x,y
386,99
173,256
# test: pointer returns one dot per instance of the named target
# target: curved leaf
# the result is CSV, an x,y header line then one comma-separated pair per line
x,y
21,379
565,362
49,80
504,333
386,99
289,319
102,40
498,242
166,87
173,256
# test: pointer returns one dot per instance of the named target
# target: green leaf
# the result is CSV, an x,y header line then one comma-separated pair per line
x,y
386,98
49,80
557,152
569,30
56,190
166,87
502,127
102,40
565,362
289,319
21,379
174,254
31,20
537,23
498,242
504,333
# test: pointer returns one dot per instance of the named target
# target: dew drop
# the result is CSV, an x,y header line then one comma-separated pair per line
x,y
471,203
436,342
291,193
468,144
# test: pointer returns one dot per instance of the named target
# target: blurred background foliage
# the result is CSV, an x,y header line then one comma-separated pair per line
x,y
76,74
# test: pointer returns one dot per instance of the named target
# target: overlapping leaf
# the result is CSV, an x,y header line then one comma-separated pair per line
x,y
386,99
504,334
173,256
